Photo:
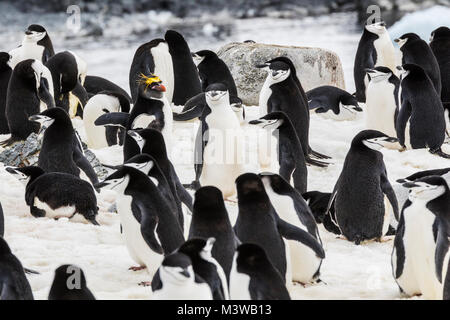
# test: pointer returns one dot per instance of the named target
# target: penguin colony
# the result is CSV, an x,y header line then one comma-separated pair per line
x,y
182,234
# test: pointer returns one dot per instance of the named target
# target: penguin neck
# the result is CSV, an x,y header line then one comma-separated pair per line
x,y
35,174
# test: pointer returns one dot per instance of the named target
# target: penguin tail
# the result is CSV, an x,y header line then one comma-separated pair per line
x,y
318,155
90,216
194,185
440,153
316,163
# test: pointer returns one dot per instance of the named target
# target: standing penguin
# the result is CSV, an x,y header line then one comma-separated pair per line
x,y
417,261
210,219
258,223
65,288
104,102
414,50
333,103
56,194
13,282
61,149
363,198
254,277
382,100
281,92
420,122
186,79
27,89
176,280
5,75
36,44
204,264
212,69
292,208
290,153
375,49
149,228
152,58
68,72
218,146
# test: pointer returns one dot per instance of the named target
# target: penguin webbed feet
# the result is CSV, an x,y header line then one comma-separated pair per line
x,y
137,268
440,153
145,283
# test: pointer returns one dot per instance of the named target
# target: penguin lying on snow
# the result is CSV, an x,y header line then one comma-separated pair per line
x,y
290,153
176,280
375,49
363,198
254,277
282,91
204,266
210,219
420,263
291,207
56,194
103,102
382,99
13,282
420,122
36,44
259,223
29,89
333,103
61,149
149,229
414,50
212,69
64,287
5,75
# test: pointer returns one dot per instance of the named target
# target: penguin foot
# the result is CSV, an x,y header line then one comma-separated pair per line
x,y
440,153
137,268
145,283
300,283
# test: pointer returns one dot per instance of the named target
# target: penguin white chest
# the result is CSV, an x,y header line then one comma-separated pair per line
x,y
239,284
264,97
386,55
131,230
380,107
61,212
420,250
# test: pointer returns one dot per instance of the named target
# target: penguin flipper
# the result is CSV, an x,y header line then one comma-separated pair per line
x,y
119,119
402,119
389,192
83,164
156,282
149,224
331,213
440,153
399,247
291,232
421,174
442,248
192,109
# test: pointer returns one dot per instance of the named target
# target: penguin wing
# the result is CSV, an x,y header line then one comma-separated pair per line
x,y
399,247
442,248
402,118
389,192
318,104
273,104
156,282
83,163
192,109
149,223
291,232
304,214
119,119
331,213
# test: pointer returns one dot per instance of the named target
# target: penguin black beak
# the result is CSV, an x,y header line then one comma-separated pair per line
x,y
94,222
368,70
254,122
185,273
274,73
10,170
401,181
357,108
100,185
34,118
400,68
410,185
391,139
28,32
260,66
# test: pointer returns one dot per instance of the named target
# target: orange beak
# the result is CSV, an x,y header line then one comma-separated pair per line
x,y
160,88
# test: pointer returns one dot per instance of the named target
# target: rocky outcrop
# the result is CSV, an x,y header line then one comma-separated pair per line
x,y
26,153
315,66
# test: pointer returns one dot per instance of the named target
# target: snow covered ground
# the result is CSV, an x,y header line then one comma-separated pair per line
x,y
349,271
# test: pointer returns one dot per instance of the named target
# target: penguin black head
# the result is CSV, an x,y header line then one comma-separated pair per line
x,y
25,174
4,59
250,188
217,94
426,188
250,257
35,33
372,139
198,247
120,179
52,116
407,37
278,71
376,28
123,101
379,74
275,181
151,87
69,283
440,33
201,55
150,141
177,267
208,203
142,162
271,121
4,248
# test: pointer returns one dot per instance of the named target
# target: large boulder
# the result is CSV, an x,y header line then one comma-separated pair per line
x,y
315,66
